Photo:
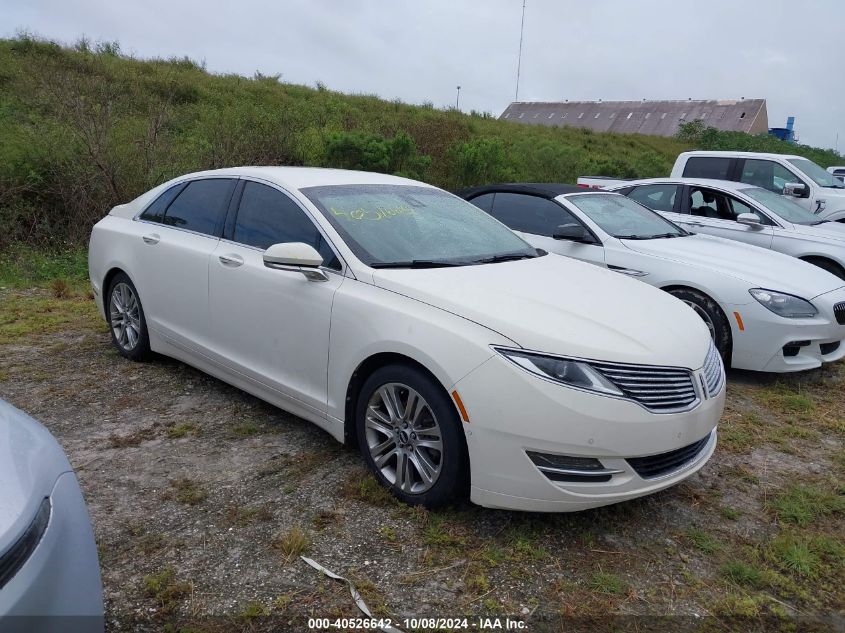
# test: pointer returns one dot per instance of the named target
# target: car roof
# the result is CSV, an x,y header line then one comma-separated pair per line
x,y
302,177
542,189
727,185
702,152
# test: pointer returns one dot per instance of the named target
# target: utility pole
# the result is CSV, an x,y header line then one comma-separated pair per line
x,y
458,99
519,60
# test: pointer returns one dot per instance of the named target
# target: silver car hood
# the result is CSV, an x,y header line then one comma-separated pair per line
x,y
30,463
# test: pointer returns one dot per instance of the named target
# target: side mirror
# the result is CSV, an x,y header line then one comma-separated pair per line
x,y
296,257
750,219
795,189
573,233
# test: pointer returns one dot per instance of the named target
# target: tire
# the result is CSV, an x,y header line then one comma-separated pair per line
x,y
828,265
713,317
393,438
125,316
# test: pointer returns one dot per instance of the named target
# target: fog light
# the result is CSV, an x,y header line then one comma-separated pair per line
x,y
571,468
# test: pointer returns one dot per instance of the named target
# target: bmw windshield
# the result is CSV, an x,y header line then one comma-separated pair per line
x,y
402,226
623,218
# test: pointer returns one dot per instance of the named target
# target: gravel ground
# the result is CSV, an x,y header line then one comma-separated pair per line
x,y
202,498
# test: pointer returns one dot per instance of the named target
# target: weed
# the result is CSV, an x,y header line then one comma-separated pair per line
x,y
293,542
803,504
365,488
166,590
183,429
702,541
607,583
186,490
742,574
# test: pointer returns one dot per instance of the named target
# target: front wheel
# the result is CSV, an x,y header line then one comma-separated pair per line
x,y
410,436
126,319
713,317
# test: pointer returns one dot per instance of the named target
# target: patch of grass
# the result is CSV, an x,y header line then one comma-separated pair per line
x,y
781,399
478,583
60,288
388,533
702,541
795,555
607,583
32,313
183,429
28,267
804,504
737,606
742,574
166,590
441,533
254,609
732,514
365,488
188,491
293,542
247,428
245,515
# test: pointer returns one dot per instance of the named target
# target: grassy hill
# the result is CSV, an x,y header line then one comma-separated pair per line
x,y
83,128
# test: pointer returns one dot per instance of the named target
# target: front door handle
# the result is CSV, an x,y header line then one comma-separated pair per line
x,y
233,261
152,238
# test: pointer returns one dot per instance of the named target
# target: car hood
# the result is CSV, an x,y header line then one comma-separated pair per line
x,y
831,232
562,306
30,462
758,267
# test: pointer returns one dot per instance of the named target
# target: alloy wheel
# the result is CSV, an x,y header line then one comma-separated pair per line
x,y
404,438
125,316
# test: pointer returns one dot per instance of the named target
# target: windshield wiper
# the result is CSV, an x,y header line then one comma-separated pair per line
x,y
417,263
508,257
819,222
646,237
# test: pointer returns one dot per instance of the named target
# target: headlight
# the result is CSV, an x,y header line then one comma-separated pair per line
x,y
569,372
783,304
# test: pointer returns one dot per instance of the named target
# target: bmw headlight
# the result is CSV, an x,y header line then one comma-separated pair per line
x,y
568,372
784,305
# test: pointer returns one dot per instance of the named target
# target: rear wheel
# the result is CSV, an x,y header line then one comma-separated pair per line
x,y
410,436
828,265
713,317
126,319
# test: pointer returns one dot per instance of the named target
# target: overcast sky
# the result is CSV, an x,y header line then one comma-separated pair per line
x,y
419,50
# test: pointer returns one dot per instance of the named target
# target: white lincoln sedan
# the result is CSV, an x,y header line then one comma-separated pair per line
x,y
766,311
460,359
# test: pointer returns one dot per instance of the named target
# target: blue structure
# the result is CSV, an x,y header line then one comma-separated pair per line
x,y
785,133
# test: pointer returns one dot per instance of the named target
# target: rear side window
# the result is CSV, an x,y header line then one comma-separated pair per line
x,y
655,197
201,205
708,167
155,212
484,202
266,216
530,214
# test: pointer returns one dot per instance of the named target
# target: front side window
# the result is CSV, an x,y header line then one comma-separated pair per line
x,y
708,167
398,225
818,175
780,206
623,218
655,197
266,216
767,174
530,214
200,206
707,203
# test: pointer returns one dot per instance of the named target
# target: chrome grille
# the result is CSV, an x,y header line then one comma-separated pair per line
x,y
659,389
839,312
713,371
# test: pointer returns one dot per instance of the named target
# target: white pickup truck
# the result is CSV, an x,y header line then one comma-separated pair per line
x,y
809,185
815,189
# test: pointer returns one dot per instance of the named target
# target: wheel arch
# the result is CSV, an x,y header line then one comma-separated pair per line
x,y
670,287
365,369
107,279
814,259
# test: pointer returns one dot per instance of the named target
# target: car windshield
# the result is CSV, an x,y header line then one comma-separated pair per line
x,y
821,177
623,218
408,226
780,206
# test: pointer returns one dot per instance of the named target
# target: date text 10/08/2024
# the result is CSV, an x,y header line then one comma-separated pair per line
x,y
457,624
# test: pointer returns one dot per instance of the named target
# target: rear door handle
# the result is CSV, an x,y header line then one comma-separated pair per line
x,y
232,261
152,238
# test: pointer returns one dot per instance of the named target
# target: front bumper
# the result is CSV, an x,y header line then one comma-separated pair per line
x,y
532,414
760,345
59,587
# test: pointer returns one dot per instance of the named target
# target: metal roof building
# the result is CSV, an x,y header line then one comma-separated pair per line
x,y
660,118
